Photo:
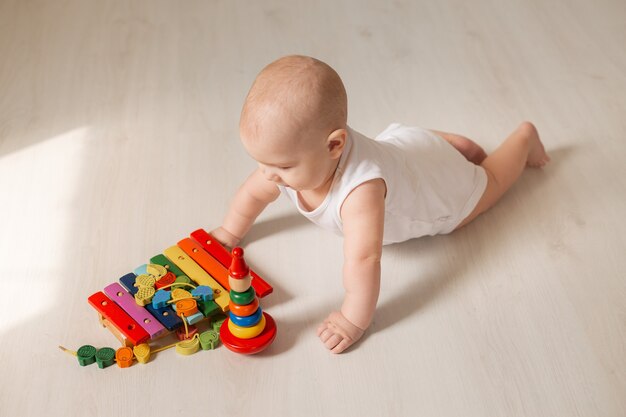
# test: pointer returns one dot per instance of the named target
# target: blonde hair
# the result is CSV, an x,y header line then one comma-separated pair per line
x,y
303,91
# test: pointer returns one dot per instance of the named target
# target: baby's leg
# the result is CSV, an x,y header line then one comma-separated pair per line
x,y
470,149
504,166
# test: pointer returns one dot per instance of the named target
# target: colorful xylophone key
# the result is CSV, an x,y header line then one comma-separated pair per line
x,y
165,315
118,318
215,249
197,274
126,301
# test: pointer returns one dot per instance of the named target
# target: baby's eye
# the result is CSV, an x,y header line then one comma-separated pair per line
x,y
284,168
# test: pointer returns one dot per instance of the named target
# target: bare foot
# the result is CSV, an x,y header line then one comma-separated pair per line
x,y
537,156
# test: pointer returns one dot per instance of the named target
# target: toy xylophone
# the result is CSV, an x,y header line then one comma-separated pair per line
x,y
194,281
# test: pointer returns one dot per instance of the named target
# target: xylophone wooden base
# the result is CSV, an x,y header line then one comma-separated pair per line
x,y
249,346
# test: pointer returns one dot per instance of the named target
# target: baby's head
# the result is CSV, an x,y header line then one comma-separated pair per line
x,y
293,121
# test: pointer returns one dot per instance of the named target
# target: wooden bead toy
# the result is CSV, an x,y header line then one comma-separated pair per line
x,y
186,334
86,355
145,281
175,292
124,357
105,357
166,280
161,298
188,347
156,270
142,352
141,269
203,292
209,340
186,307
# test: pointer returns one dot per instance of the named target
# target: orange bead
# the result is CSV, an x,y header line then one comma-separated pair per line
x,y
124,357
245,310
186,307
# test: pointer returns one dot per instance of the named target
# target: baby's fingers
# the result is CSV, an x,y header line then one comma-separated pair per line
x,y
343,345
333,341
321,328
325,335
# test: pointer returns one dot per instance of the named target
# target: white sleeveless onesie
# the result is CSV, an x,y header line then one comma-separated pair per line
x,y
431,187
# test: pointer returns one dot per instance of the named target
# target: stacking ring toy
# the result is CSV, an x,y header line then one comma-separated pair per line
x,y
246,321
245,310
243,298
246,332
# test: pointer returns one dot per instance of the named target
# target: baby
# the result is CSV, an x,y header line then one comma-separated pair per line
x,y
406,183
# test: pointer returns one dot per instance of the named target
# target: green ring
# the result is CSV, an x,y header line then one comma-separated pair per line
x,y
242,298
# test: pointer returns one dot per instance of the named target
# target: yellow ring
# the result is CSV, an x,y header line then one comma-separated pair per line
x,y
247,332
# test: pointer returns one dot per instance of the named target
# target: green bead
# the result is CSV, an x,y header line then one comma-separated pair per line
x,y
242,298
105,357
209,340
86,355
217,322
182,279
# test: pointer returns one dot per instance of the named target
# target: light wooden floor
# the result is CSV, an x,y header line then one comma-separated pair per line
x,y
118,137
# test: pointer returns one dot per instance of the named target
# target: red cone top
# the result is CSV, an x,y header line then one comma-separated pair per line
x,y
238,267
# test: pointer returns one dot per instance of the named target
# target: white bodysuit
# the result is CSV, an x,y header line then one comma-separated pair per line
x,y
431,187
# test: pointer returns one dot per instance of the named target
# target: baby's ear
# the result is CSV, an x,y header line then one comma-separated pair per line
x,y
336,142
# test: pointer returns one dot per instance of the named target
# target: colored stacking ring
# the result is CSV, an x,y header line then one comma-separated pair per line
x,y
86,355
243,298
246,321
245,310
239,284
250,346
105,357
247,332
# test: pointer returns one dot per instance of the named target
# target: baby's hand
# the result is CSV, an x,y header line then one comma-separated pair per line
x,y
225,238
338,333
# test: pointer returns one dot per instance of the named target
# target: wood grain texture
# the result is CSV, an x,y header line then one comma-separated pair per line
x,y
118,137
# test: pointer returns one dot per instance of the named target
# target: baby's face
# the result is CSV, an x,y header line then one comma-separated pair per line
x,y
300,161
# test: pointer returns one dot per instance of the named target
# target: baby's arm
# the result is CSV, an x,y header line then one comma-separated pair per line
x,y
363,216
249,201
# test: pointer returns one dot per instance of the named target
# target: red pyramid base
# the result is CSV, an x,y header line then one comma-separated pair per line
x,y
249,346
